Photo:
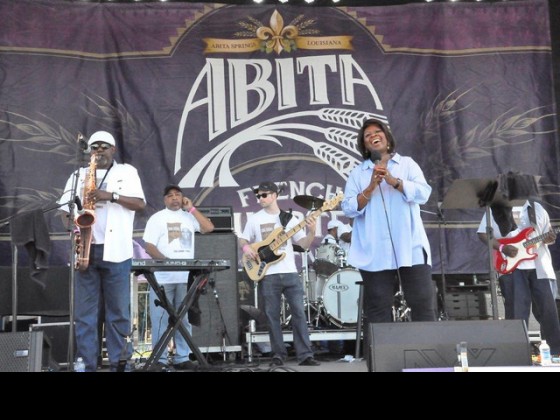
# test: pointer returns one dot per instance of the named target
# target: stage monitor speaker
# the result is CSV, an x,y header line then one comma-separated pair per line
x,y
23,351
424,345
216,319
58,334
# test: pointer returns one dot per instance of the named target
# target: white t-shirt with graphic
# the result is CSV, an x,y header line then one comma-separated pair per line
x,y
260,225
172,232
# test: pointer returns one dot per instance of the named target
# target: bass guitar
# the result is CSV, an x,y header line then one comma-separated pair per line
x,y
268,250
525,250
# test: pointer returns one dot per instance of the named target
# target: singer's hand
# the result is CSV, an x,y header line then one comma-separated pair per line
x,y
379,174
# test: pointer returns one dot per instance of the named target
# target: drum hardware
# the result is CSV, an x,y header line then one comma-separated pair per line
x,y
309,202
341,257
306,284
327,259
401,311
284,317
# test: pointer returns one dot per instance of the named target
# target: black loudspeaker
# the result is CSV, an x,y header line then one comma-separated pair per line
x,y
221,217
33,299
23,351
425,345
216,319
57,334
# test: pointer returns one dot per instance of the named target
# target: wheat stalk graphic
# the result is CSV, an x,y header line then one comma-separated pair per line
x,y
339,150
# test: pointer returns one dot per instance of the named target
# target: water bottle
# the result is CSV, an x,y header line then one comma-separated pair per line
x,y
544,350
79,365
462,364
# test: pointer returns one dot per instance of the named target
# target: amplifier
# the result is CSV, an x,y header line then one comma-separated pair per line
x,y
222,217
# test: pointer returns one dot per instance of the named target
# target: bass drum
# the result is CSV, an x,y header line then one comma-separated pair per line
x,y
341,297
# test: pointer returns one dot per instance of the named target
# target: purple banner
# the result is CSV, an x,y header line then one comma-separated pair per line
x,y
218,98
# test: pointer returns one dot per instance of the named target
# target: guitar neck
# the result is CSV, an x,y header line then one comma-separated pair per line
x,y
539,238
283,237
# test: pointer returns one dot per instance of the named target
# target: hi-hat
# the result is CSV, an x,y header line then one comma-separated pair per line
x,y
309,202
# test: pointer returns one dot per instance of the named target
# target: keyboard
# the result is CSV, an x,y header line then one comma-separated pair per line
x,y
179,264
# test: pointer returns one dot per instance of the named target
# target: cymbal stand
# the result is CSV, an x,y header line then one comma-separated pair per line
x,y
401,311
306,285
284,317
442,286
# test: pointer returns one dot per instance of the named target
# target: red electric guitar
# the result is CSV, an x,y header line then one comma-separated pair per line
x,y
525,250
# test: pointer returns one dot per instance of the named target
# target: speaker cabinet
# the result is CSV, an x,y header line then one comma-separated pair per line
x,y
220,315
424,345
23,351
221,217
57,334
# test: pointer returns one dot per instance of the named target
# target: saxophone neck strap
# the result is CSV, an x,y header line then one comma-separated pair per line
x,y
105,176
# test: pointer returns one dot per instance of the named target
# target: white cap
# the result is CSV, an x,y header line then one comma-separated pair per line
x,y
101,137
333,224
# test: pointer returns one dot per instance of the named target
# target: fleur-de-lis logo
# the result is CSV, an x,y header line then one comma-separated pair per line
x,y
277,37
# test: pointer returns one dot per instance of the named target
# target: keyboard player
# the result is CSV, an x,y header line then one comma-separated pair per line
x,y
170,233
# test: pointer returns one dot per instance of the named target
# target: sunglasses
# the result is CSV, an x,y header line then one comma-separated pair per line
x,y
263,195
103,146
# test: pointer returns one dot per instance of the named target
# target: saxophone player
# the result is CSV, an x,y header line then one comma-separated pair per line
x,y
111,193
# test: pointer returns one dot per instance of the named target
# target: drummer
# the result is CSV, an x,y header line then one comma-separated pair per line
x,y
345,236
332,236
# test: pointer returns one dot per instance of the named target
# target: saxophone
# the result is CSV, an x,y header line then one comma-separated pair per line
x,y
86,218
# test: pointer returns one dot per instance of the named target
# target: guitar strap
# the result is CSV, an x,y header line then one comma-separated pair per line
x,y
532,215
285,217
504,218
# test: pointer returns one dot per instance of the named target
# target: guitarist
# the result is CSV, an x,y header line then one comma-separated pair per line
x,y
281,277
533,281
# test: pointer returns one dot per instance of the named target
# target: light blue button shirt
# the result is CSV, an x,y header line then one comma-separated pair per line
x,y
372,248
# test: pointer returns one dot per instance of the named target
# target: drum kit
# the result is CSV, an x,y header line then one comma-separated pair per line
x,y
331,292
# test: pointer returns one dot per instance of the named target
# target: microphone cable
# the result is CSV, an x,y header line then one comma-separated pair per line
x,y
400,296
376,159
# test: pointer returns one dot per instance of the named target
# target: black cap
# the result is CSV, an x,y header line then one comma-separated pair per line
x,y
266,186
171,187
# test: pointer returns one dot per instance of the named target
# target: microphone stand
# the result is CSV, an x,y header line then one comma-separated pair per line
x,y
80,153
225,334
443,316
401,312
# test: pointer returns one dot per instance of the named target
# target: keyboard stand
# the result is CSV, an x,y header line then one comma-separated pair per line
x,y
175,318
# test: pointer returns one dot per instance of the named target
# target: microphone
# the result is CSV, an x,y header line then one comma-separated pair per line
x,y
82,141
78,203
375,157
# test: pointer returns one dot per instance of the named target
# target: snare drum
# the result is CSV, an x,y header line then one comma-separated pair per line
x,y
340,297
326,259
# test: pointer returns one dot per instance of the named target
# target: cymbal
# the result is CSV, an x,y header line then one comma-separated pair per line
x,y
298,248
309,202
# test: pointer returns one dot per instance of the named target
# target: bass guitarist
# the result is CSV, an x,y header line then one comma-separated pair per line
x,y
533,281
281,276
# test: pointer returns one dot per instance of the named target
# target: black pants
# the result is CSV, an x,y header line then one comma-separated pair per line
x,y
418,290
